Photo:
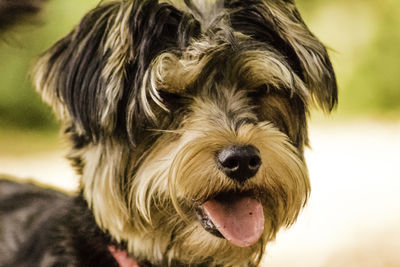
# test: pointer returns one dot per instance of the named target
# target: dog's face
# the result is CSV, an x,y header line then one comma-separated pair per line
x,y
188,122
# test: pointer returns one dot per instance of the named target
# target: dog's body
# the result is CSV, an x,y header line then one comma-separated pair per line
x,y
187,123
44,227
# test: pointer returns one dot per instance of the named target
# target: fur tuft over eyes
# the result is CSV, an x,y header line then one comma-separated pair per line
x,y
94,77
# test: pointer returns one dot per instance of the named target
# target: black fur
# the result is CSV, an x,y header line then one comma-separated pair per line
x,y
80,86
44,227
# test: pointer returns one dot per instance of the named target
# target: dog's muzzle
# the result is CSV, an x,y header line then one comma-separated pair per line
x,y
237,217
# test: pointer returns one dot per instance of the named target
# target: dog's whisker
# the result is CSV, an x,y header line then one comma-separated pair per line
x,y
166,131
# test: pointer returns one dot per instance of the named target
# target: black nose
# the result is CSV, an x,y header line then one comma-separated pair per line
x,y
239,162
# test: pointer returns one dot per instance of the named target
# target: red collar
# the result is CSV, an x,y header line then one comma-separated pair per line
x,y
121,256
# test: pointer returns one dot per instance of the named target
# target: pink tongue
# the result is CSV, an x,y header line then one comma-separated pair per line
x,y
240,221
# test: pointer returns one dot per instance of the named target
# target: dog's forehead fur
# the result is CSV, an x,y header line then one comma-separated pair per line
x,y
149,91
123,52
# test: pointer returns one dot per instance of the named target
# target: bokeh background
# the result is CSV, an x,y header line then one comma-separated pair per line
x,y
353,217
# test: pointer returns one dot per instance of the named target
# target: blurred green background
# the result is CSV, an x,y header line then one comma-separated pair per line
x,y
363,37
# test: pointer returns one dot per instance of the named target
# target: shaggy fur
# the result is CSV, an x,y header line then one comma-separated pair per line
x,y
149,92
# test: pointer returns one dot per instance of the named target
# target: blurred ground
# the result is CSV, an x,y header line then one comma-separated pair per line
x,y
352,218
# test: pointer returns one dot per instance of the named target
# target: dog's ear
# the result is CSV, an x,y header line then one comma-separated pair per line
x,y
278,23
93,77
70,76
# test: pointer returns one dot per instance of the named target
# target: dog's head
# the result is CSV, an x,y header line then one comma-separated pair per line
x,y
188,122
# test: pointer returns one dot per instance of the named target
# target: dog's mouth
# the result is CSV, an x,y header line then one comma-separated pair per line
x,y
237,217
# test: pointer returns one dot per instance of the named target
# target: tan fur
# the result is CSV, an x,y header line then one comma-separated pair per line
x,y
118,42
45,86
307,48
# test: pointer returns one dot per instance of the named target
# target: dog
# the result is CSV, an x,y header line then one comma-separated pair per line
x,y
187,123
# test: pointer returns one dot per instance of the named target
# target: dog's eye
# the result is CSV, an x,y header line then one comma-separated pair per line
x,y
257,93
171,100
167,96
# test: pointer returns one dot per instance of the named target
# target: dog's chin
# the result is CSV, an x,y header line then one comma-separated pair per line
x,y
236,217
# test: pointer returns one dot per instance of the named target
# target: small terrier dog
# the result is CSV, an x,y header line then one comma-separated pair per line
x,y
187,121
